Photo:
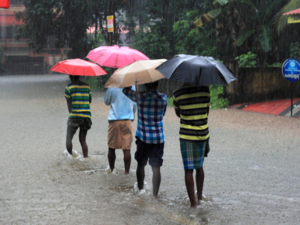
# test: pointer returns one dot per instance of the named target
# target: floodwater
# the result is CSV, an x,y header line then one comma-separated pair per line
x,y
251,174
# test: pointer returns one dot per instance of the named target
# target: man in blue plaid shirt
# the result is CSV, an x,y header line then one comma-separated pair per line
x,y
150,139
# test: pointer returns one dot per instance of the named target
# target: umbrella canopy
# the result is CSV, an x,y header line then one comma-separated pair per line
x,y
139,72
197,70
78,67
115,56
296,11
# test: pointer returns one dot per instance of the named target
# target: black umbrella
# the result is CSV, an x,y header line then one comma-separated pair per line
x,y
197,70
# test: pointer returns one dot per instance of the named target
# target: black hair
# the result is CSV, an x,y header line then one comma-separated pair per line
x,y
74,78
152,86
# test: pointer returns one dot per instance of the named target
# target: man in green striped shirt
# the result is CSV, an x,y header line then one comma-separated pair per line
x,y
191,104
78,96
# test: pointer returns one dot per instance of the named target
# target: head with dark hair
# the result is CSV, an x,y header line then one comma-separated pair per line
x,y
151,86
74,78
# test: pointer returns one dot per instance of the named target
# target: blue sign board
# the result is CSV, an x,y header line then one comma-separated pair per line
x,y
291,70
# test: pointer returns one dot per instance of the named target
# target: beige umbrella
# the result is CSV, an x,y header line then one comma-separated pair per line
x,y
139,72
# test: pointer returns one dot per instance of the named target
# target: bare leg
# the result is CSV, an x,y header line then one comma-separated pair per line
x,y
111,158
82,140
70,134
199,182
156,179
140,175
189,183
127,160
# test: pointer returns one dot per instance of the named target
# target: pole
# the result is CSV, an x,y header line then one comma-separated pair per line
x,y
113,33
292,100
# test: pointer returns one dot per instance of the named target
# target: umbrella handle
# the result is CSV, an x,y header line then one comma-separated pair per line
x,y
136,95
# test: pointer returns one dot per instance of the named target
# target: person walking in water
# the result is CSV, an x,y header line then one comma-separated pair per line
x,y
78,96
150,138
191,104
120,129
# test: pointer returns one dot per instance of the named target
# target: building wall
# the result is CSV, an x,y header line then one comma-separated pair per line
x,y
13,48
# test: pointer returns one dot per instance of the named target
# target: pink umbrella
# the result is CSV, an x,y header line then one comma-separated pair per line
x,y
115,56
78,67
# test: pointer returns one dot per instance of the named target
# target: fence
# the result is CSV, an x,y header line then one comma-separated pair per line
x,y
260,84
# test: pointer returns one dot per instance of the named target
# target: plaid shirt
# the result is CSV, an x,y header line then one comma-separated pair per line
x,y
152,106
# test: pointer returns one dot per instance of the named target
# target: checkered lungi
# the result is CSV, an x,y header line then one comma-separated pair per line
x,y
193,153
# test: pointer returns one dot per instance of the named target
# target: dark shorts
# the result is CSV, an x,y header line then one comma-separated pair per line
x,y
153,152
83,123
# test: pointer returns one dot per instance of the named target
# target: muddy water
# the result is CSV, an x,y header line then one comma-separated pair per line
x,y
252,171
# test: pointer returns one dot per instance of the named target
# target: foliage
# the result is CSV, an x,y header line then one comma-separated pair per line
x,y
152,43
295,50
96,83
280,19
215,101
170,101
195,41
277,64
65,20
245,26
165,27
247,60
99,40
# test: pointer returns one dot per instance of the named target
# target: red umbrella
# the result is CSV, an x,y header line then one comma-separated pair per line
x,y
78,67
115,56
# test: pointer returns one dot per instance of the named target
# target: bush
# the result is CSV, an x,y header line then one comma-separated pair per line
x,y
247,60
215,101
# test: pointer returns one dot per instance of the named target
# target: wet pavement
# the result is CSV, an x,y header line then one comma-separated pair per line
x,y
251,174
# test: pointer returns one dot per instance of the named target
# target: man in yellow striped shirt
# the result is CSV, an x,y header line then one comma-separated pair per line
x,y
191,104
78,96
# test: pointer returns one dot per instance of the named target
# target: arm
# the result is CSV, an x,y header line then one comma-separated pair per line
x,y
176,107
68,98
208,105
69,103
107,97
177,111
130,93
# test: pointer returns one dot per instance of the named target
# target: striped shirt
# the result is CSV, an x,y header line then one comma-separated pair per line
x,y
152,106
80,95
192,102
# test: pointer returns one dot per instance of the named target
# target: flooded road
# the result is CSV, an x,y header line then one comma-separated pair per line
x,y
251,174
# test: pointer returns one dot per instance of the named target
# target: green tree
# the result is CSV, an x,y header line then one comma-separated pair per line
x,y
201,41
65,20
281,20
245,25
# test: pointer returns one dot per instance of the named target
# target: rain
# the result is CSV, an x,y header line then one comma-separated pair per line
x,y
251,172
